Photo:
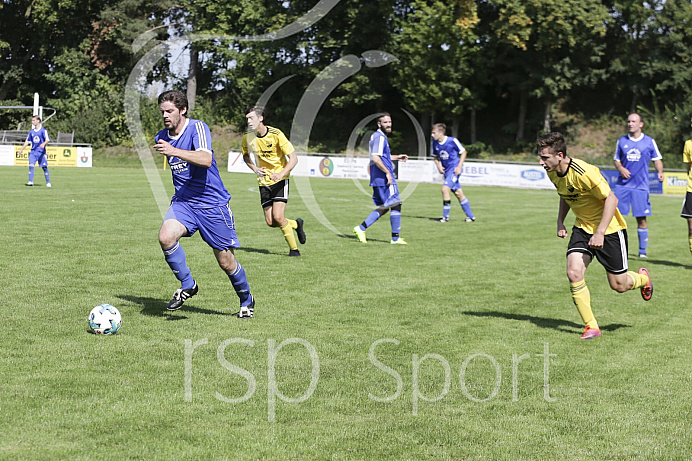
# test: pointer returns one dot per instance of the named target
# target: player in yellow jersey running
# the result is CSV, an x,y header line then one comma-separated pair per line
x,y
275,158
599,229
687,202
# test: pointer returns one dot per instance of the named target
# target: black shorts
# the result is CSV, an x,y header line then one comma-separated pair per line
x,y
613,255
275,193
687,206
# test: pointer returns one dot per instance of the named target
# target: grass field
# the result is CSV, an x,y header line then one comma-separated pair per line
x,y
463,344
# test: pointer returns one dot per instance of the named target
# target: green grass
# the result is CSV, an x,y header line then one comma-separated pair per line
x,y
495,287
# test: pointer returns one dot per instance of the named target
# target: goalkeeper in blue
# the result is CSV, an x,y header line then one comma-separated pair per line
x,y
449,155
200,202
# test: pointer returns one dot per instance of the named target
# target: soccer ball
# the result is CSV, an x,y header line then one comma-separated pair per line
x,y
104,319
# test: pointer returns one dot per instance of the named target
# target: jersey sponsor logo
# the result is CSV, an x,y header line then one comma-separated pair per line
x,y
179,167
570,198
533,175
633,155
444,155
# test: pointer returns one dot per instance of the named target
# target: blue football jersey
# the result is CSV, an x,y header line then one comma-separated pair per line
x,y
199,186
635,155
447,152
36,138
380,146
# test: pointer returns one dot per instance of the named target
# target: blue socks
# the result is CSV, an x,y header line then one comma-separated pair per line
x,y
31,173
370,220
446,208
240,284
395,220
47,175
175,257
643,239
466,206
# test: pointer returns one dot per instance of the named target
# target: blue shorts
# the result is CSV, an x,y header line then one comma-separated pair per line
x,y
451,180
636,198
216,225
40,157
386,196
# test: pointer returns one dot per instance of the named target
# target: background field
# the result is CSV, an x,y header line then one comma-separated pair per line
x,y
494,287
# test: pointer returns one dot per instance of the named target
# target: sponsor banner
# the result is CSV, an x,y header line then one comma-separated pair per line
x,y
674,183
58,156
473,173
6,155
504,175
84,157
655,186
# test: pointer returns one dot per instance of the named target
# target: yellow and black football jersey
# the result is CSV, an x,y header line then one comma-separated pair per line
x,y
585,190
271,151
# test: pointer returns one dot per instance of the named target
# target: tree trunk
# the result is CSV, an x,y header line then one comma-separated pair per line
x,y
473,126
425,118
523,106
546,117
455,127
192,77
633,105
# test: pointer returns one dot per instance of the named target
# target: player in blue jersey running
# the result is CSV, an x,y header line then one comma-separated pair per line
x,y
449,155
200,202
385,192
38,138
632,156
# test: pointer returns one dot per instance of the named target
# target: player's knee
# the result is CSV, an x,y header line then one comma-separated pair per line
x,y
166,240
575,275
397,208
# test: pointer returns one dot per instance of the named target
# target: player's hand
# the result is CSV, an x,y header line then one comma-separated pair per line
x,y
389,179
660,177
164,148
403,157
276,177
596,241
625,173
562,233
260,172
457,170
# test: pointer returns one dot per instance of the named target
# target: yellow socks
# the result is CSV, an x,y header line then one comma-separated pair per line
x,y
288,233
639,280
582,299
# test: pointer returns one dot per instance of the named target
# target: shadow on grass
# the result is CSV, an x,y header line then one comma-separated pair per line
x,y
427,217
657,262
353,237
264,251
157,308
556,324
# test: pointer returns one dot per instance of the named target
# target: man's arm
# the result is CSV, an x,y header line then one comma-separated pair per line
x,y
659,169
377,160
561,215
292,162
26,143
439,166
195,157
462,159
611,204
624,172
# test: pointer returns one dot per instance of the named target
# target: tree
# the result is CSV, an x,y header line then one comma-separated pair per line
x,y
551,48
436,44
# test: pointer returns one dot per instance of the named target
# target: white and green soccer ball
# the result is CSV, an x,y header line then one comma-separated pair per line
x,y
105,319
